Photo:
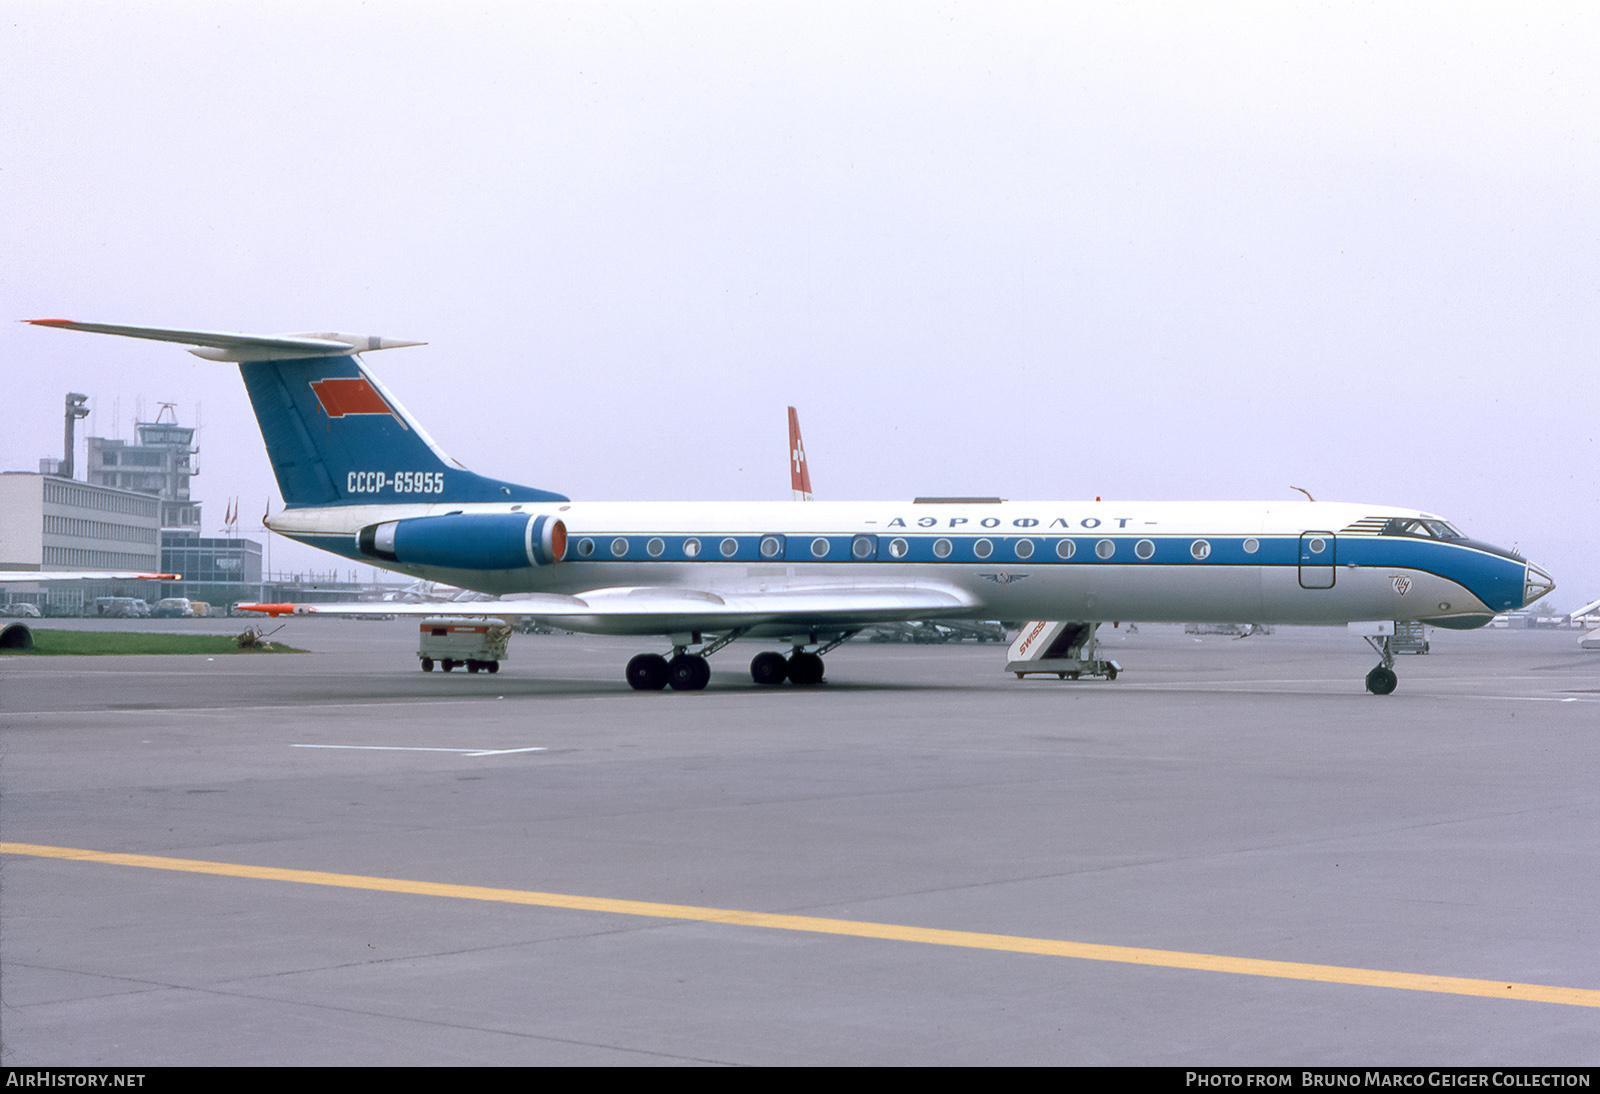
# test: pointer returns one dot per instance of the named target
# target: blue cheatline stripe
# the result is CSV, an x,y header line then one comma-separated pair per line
x,y
1493,579
832,547
634,546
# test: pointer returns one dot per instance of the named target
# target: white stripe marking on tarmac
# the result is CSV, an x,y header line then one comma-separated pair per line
x,y
409,748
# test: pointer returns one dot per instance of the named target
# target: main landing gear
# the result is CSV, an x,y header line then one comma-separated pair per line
x,y
800,668
803,668
686,671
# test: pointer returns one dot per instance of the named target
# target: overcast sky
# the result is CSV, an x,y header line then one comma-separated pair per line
x,y
1141,251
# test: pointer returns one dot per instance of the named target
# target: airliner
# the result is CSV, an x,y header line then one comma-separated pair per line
x,y
361,478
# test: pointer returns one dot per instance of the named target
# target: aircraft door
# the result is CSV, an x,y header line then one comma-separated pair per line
x,y
1317,566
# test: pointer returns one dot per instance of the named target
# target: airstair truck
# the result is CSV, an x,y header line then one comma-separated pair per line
x,y
1066,650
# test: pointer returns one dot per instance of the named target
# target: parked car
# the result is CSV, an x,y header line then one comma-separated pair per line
x,y
173,607
121,607
20,610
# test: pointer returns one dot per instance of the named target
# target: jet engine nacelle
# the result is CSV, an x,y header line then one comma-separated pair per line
x,y
468,541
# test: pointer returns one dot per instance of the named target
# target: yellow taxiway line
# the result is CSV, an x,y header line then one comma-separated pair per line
x,y
1049,947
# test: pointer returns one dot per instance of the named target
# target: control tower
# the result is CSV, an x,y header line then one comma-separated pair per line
x,y
160,464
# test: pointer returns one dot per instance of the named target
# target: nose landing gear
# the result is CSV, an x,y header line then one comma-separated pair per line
x,y
1382,679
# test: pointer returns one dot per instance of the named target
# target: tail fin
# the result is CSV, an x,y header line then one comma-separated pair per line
x,y
336,437
333,434
799,472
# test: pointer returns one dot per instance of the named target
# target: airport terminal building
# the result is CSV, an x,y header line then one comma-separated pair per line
x,y
52,523
220,571
136,512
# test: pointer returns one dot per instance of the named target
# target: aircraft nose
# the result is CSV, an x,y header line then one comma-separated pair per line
x,y
1535,585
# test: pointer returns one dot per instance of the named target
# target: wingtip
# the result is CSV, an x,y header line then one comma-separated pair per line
x,y
273,610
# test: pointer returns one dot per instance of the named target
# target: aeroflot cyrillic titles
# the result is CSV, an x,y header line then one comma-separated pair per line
x,y
1016,522
809,576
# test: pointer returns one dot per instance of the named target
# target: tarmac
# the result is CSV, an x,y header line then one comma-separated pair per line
x,y
1230,856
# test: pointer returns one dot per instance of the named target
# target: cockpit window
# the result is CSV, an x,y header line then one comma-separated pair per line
x,y
1425,529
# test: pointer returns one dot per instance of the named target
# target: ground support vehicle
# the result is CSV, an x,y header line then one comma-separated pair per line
x,y
479,644
1063,649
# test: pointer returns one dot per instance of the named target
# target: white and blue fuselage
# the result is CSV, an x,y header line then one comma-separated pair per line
x,y
1277,562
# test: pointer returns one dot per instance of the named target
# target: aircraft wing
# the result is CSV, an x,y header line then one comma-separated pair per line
x,y
663,610
30,577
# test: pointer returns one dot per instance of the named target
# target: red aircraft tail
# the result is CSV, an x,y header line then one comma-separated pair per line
x,y
799,473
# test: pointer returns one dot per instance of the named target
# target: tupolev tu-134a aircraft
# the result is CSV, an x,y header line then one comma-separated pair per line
x,y
361,479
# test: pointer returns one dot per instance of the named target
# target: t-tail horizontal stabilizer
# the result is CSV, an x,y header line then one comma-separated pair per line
x,y
221,346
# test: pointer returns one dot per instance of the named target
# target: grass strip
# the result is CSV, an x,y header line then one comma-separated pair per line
x,y
98,643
